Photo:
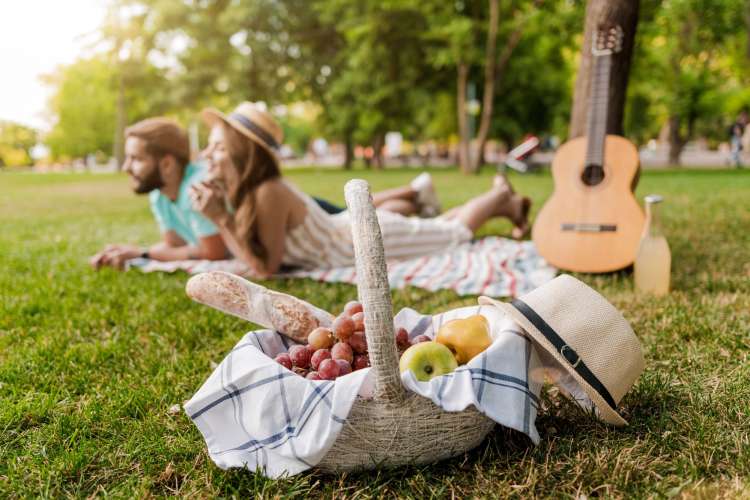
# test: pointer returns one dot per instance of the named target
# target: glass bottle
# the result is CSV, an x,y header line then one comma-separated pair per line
x,y
653,260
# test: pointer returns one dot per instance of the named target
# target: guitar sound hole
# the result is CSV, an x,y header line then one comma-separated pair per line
x,y
592,175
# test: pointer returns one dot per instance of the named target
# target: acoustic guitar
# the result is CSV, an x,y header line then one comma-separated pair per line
x,y
592,223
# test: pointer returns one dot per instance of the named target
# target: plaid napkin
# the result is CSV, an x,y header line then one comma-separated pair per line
x,y
254,413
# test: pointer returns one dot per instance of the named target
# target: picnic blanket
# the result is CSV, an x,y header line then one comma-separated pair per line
x,y
254,413
494,266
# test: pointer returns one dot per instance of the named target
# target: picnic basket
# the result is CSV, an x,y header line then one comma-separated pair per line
x,y
395,427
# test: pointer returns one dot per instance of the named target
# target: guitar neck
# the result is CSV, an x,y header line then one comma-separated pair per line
x,y
597,119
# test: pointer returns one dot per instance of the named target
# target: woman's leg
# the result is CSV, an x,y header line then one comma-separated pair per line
x,y
475,212
500,201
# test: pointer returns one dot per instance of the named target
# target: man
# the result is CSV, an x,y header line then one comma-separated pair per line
x,y
157,153
736,131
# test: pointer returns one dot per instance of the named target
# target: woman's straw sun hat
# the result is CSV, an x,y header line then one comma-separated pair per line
x,y
585,334
252,121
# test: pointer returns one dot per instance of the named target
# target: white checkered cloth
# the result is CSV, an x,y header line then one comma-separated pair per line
x,y
254,413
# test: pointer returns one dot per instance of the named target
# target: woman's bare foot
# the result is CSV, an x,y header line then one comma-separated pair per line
x,y
512,206
502,197
520,216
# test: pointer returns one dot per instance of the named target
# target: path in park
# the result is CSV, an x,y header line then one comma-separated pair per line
x,y
650,159
659,158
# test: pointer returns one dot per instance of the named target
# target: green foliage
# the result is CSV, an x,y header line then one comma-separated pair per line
x,y
536,90
85,103
688,65
298,132
374,66
16,141
84,106
382,65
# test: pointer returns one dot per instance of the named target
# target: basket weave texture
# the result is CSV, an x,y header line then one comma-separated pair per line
x,y
394,427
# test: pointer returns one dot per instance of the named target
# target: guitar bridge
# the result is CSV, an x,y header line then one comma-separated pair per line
x,y
588,228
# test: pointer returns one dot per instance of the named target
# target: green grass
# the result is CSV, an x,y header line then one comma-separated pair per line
x,y
90,363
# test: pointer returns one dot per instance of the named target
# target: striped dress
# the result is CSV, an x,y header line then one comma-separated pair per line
x,y
324,241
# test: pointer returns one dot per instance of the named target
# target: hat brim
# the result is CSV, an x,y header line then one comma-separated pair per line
x,y
606,412
211,116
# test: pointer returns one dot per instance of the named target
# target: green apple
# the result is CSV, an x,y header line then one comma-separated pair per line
x,y
427,360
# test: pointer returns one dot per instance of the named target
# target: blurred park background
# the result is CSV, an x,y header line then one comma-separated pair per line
x,y
373,82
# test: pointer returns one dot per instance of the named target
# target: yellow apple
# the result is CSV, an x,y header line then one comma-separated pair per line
x,y
465,337
427,360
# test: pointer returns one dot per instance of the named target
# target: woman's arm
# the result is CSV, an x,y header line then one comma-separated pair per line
x,y
240,249
273,208
208,199
273,201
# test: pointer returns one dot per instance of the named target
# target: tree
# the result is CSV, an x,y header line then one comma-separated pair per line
x,y
16,142
380,70
690,69
535,93
608,12
85,102
84,107
465,37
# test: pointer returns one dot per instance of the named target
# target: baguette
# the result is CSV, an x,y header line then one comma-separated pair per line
x,y
244,299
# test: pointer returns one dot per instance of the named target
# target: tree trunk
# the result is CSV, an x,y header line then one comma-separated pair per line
x,y
377,156
498,71
676,141
490,68
464,151
471,158
348,150
625,14
120,123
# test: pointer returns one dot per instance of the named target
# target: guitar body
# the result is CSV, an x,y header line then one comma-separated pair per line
x,y
591,228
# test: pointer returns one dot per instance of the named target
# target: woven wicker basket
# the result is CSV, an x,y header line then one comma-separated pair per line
x,y
395,427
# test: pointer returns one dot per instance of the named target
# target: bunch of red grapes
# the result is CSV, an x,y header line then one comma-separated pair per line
x,y
339,350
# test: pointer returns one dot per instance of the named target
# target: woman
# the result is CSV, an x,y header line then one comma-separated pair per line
x,y
268,223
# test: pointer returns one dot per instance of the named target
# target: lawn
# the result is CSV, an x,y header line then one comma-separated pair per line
x,y
90,363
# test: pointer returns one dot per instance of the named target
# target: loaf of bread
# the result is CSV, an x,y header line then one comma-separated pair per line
x,y
239,297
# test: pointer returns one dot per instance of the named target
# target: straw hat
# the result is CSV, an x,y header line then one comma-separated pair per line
x,y
586,334
252,121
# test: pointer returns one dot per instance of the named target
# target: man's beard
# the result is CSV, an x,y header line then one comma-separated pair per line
x,y
147,184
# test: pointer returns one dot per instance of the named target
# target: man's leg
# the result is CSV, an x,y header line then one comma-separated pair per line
x,y
403,193
403,207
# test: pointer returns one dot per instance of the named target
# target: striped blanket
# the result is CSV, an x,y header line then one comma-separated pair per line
x,y
493,266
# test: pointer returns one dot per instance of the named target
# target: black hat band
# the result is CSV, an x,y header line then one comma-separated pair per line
x,y
567,352
255,129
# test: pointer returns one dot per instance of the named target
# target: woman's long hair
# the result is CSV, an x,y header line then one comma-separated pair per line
x,y
254,166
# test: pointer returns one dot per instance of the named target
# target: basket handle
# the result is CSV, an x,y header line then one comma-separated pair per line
x,y
374,292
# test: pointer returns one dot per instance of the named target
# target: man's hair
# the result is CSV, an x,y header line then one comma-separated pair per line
x,y
163,137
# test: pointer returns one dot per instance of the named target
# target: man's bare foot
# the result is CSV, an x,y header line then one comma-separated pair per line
x,y
427,200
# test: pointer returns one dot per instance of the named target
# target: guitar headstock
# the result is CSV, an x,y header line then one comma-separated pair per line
x,y
608,40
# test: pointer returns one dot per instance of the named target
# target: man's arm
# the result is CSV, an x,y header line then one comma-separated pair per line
x,y
171,248
175,248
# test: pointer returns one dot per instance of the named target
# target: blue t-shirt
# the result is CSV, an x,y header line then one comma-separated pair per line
x,y
179,216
